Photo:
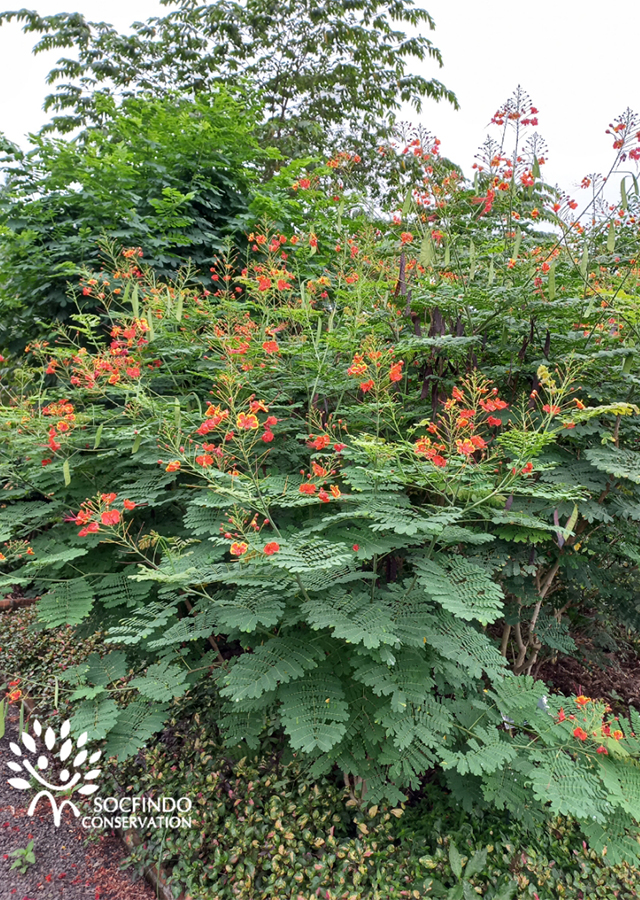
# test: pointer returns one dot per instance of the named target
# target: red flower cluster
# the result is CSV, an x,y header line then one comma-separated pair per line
x,y
65,411
121,362
94,513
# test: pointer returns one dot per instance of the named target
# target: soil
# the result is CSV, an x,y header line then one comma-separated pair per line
x,y
614,677
66,866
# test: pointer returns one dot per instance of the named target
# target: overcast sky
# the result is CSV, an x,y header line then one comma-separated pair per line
x,y
578,66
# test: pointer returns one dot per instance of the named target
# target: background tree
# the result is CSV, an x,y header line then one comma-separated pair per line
x,y
322,69
171,176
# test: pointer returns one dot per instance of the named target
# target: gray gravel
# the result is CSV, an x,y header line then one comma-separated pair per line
x,y
66,867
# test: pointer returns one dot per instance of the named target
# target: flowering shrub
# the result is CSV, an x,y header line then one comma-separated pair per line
x,y
335,489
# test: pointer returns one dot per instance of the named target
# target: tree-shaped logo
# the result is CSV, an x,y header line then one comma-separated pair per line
x,y
70,775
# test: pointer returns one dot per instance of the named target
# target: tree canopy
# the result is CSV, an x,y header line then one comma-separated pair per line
x,y
320,68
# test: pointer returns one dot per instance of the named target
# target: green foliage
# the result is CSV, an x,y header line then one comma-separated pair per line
x,y
360,540
170,175
24,857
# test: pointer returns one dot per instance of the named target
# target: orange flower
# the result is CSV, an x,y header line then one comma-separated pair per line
x,y
267,437
238,548
204,460
108,498
307,488
561,715
406,237
580,733
14,695
492,420
173,466
322,494
320,442
552,409
357,367
581,700
258,406
271,548
579,404
129,504
395,373
110,517
366,386
270,346
318,470
247,422
335,490
617,735
602,749
466,448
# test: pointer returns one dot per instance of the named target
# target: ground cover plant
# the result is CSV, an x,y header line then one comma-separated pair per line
x,y
360,488
262,826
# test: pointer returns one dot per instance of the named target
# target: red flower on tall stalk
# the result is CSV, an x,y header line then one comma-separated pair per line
x,y
271,548
110,517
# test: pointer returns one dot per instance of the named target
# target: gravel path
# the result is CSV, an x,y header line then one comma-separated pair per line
x,y
64,868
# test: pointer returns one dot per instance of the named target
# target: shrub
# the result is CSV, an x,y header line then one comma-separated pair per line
x,y
375,508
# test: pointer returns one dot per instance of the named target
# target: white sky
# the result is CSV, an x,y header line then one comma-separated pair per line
x,y
575,62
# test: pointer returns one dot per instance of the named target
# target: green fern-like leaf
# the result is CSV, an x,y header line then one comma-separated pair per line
x,y
96,717
464,645
249,608
615,840
569,788
66,603
616,461
140,626
21,518
162,681
118,590
461,587
407,681
133,728
486,753
308,554
314,711
278,661
106,669
352,617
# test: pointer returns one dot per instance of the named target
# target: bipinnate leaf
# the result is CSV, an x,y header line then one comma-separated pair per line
x,y
162,681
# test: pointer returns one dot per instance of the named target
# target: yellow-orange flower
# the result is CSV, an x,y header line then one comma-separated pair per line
x,y
238,548
247,422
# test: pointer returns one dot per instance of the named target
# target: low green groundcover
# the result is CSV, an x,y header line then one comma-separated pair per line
x,y
261,827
